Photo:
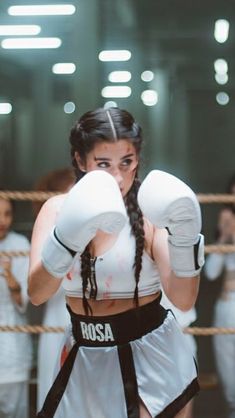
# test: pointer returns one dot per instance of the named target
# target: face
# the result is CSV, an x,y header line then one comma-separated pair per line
x,y
117,158
6,217
233,189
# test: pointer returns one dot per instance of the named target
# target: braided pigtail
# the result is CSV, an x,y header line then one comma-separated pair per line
x,y
137,227
85,273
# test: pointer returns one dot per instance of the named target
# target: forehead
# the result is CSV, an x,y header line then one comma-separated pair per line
x,y
5,204
113,149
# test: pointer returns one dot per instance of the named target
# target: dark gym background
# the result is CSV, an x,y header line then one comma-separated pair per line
x,y
188,133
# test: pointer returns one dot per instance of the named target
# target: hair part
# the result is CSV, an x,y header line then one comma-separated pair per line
x,y
102,125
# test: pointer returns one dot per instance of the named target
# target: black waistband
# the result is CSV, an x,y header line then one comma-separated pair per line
x,y
119,328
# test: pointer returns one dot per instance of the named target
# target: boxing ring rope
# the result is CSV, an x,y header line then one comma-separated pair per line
x,y
42,196
220,248
38,329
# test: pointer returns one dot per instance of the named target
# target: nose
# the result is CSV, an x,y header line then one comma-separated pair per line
x,y
118,177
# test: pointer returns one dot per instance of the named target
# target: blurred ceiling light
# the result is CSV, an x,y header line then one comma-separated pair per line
x,y
222,98
119,76
5,108
115,55
221,66
69,107
6,30
221,78
30,43
147,76
149,97
42,10
221,30
116,91
109,104
64,68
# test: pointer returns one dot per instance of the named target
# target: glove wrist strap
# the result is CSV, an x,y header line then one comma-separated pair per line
x,y
187,261
55,257
72,252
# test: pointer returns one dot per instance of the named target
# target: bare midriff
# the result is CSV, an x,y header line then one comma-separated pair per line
x,y
109,306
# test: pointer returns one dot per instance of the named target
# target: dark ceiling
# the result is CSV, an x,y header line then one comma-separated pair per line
x,y
177,34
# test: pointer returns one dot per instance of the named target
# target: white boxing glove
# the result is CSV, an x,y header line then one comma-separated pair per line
x,y
169,203
95,202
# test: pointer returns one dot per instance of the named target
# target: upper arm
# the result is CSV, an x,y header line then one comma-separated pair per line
x,y
161,255
42,285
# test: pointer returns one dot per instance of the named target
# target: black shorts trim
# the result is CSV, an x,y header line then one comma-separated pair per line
x,y
171,410
129,380
58,388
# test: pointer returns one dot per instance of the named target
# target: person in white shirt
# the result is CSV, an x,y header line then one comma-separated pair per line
x,y
222,266
15,348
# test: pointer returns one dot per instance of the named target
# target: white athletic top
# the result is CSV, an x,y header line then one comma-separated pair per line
x,y
216,263
114,272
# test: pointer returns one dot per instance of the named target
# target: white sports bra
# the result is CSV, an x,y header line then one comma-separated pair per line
x,y
113,274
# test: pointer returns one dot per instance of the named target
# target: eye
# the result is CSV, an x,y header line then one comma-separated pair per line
x,y
103,164
127,162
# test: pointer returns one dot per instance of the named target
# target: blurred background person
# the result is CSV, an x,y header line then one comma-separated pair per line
x,y
223,266
15,347
55,313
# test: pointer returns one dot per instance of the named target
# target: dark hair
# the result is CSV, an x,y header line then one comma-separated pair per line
x,y
54,181
109,125
231,184
12,205
230,206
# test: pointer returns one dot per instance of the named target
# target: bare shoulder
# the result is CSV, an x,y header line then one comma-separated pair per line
x,y
49,211
52,206
54,203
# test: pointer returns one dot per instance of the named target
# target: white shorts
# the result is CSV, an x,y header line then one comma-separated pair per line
x,y
117,359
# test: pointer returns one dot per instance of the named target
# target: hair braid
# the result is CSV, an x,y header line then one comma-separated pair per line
x,y
137,227
85,273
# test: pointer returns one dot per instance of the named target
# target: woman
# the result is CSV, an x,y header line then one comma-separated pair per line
x,y
223,266
15,359
124,353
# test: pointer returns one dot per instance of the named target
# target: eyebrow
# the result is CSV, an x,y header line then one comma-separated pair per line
x,y
109,159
